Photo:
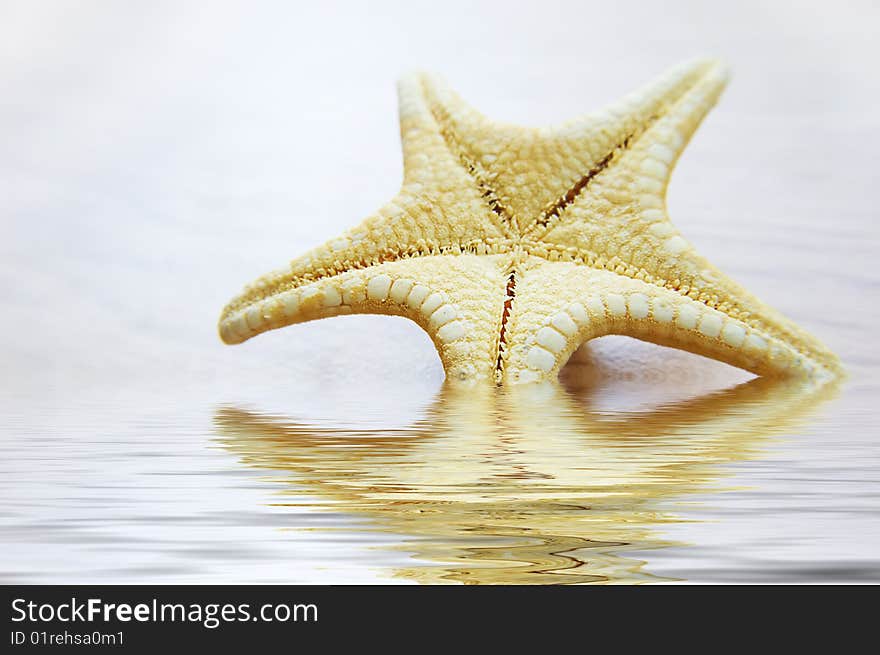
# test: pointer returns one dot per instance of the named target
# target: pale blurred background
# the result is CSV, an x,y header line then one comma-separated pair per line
x,y
156,156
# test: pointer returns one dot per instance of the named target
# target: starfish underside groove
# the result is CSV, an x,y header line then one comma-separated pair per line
x,y
512,246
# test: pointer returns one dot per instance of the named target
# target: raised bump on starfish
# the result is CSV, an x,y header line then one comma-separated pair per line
x,y
511,246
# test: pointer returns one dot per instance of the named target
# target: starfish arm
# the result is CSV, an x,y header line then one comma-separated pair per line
x,y
619,222
617,211
560,305
531,171
409,226
456,299
440,209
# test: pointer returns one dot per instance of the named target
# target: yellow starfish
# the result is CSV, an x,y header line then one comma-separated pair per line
x,y
511,246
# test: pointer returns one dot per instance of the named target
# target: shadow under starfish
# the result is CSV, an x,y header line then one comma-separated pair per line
x,y
523,485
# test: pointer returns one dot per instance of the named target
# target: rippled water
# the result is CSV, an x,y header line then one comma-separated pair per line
x,y
154,159
626,472
524,485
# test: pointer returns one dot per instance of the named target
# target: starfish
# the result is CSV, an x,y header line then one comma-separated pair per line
x,y
512,246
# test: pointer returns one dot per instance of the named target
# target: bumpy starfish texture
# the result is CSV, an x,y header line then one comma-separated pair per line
x,y
511,246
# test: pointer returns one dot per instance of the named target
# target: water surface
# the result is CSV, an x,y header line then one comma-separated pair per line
x,y
156,158
624,472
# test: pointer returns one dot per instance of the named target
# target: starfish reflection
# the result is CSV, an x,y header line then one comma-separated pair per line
x,y
526,484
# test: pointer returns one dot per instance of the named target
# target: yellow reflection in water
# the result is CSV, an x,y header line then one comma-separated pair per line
x,y
523,485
